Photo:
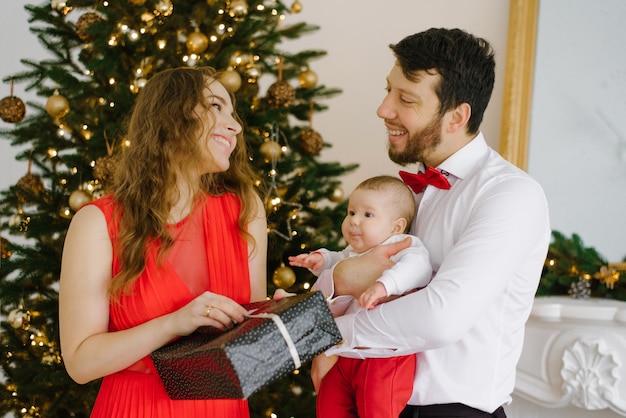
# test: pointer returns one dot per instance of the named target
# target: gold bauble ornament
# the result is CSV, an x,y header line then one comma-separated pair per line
x,y
296,7
104,170
57,106
78,198
311,142
284,277
61,6
238,9
32,184
252,72
271,150
337,195
12,109
163,8
4,248
281,94
231,79
197,42
83,23
19,318
307,79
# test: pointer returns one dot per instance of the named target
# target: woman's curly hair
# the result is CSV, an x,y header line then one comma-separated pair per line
x,y
163,133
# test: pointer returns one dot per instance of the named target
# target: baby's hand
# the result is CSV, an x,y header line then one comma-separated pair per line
x,y
320,366
313,261
372,295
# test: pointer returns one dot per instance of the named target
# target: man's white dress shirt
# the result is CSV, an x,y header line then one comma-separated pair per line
x,y
488,238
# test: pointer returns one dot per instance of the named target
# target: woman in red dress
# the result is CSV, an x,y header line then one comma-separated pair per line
x,y
179,243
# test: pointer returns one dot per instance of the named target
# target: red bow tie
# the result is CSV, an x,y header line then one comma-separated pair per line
x,y
419,181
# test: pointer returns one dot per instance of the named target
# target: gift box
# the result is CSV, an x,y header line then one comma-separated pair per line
x,y
277,338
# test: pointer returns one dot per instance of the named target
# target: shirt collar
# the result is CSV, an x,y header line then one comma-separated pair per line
x,y
462,162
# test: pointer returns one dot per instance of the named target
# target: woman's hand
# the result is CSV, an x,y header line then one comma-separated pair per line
x,y
208,309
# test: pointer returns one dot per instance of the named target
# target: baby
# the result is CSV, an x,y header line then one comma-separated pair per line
x,y
380,211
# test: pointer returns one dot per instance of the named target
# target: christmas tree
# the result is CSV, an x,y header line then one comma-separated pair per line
x,y
101,54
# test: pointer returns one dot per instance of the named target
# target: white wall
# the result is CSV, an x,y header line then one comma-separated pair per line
x,y
355,35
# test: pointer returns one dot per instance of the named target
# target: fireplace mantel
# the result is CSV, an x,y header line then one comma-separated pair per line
x,y
573,363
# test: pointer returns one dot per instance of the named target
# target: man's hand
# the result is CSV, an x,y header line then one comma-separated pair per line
x,y
354,275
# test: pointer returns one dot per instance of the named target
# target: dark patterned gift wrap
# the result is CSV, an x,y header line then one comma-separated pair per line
x,y
278,337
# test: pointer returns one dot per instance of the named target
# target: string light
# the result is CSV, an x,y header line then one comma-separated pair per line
x,y
274,200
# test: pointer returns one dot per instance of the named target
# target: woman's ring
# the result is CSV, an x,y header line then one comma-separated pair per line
x,y
207,311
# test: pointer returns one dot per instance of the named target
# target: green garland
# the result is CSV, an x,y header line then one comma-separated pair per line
x,y
579,271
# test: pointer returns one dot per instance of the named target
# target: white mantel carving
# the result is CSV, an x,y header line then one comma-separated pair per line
x,y
589,374
572,364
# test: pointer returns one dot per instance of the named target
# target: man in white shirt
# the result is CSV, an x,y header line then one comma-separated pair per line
x,y
487,235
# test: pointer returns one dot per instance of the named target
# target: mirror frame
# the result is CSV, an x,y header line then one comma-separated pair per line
x,y
518,81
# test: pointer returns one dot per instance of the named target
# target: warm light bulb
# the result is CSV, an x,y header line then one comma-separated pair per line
x,y
133,36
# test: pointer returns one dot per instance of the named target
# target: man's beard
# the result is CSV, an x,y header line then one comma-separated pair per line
x,y
418,144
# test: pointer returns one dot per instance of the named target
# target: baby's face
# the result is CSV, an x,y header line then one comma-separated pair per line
x,y
370,219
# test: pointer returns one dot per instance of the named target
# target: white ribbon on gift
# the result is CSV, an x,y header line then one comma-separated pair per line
x,y
283,330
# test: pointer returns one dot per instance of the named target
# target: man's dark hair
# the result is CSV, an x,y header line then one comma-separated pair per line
x,y
465,63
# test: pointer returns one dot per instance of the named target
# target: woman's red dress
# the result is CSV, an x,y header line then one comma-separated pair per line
x,y
209,253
